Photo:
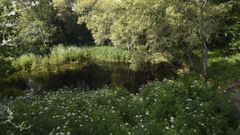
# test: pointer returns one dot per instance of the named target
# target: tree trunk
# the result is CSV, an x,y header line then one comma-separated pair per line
x,y
188,54
204,58
204,49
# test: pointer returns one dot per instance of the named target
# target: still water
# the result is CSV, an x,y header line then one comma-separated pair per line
x,y
89,77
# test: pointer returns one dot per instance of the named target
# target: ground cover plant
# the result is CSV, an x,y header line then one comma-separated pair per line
x,y
168,107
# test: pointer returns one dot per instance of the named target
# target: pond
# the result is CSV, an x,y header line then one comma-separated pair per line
x,y
90,76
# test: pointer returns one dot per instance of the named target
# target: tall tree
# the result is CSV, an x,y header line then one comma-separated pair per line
x,y
98,15
198,20
8,14
73,32
234,30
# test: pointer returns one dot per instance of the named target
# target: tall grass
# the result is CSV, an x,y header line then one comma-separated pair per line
x,y
108,54
223,69
25,61
63,55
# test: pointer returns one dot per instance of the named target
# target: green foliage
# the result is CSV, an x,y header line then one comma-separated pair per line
x,y
59,55
109,54
5,68
35,25
73,33
223,69
36,35
25,61
234,132
64,55
128,23
98,16
234,29
192,106
183,106
138,22
141,58
37,28
142,23
103,53
8,16
166,25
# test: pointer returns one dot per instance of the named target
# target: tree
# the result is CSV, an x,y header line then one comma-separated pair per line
x,y
123,23
37,35
37,27
198,20
234,30
73,32
8,15
98,15
141,23
21,18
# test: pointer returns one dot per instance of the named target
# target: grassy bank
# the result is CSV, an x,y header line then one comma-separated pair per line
x,y
223,69
64,55
183,106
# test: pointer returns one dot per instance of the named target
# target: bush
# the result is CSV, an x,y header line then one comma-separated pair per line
x,y
184,106
192,107
141,58
6,67
25,61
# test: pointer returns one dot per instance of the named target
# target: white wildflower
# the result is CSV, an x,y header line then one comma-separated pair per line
x,y
12,13
172,119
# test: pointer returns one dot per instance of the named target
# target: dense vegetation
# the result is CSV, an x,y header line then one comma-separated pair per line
x,y
168,107
62,55
199,38
184,29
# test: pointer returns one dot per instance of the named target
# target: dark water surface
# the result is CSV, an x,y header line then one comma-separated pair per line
x,y
91,76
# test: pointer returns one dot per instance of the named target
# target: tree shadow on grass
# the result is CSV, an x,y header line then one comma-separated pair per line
x,y
224,70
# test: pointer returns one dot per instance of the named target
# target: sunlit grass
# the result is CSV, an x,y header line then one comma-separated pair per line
x,y
60,55
224,69
26,61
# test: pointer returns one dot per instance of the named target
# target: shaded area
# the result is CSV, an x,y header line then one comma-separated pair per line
x,y
90,76
224,70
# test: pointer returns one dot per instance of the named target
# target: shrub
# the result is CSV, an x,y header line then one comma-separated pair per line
x,y
25,61
188,106
140,58
183,106
6,67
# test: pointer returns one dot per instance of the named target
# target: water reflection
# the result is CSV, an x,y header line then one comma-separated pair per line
x,y
91,76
